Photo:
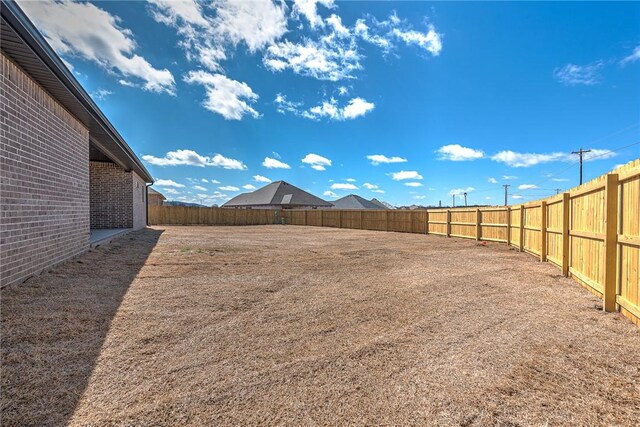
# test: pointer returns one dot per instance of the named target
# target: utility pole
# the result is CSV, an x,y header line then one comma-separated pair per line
x,y
454,200
506,187
465,198
580,152
558,190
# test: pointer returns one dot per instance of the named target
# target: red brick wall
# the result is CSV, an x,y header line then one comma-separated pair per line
x,y
44,178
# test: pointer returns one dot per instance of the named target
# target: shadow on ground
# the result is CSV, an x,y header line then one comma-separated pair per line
x,y
54,326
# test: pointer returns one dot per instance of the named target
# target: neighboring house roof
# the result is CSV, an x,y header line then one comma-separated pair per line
x,y
24,44
353,201
155,192
279,193
379,203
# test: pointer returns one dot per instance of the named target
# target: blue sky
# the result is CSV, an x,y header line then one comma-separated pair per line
x,y
409,102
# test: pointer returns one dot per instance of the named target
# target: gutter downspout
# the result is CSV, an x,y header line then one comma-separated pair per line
x,y
146,200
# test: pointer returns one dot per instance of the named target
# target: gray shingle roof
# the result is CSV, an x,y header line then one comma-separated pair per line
x,y
279,193
379,203
353,201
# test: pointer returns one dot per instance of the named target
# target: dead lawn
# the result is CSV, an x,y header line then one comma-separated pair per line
x,y
285,325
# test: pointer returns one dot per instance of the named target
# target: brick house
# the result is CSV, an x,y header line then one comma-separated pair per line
x,y
155,198
67,178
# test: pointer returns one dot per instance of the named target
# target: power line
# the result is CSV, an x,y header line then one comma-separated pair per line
x,y
615,150
594,141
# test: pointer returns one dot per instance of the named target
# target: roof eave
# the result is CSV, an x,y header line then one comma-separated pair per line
x,y
21,24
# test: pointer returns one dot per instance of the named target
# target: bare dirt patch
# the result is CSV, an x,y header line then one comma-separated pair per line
x,y
303,326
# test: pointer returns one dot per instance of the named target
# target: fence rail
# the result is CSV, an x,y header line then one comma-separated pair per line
x,y
591,232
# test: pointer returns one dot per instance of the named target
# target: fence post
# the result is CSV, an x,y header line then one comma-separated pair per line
x,y
478,226
321,217
566,212
521,228
426,220
306,212
508,226
340,219
611,241
361,224
543,231
448,222
386,220
235,216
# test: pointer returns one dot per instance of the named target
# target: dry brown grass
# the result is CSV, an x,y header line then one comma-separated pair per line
x,y
312,326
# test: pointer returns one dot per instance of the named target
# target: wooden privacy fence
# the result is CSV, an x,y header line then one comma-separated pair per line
x,y
591,232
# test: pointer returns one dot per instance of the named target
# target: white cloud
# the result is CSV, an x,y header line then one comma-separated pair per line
x,y
509,177
559,179
170,11
330,194
271,163
86,31
207,32
598,154
330,109
229,98
327,59
101,94
527,186
206,199
260,178
458,153
378,191
309,9
377,159
229,188
572,75
524,160
362,30
204,180
254,23
283,105
335,22
342,90
168,183
633,57
413,184
343,186
493,180
191,158
398,176
517,197
199,188
171,191
350,180
419,197
369,186
461,191
430,41
317,162
357,107
249,187
215,181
